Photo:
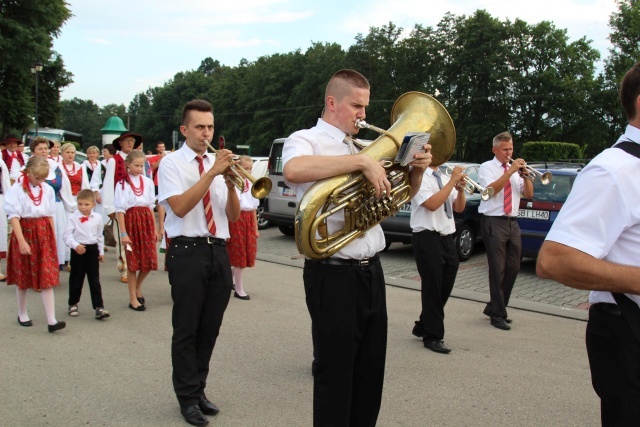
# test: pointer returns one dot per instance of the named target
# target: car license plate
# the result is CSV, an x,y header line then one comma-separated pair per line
x,y
288,192
533,214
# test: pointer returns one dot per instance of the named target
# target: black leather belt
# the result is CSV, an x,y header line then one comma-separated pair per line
x,y
508,217
607,307
348,262
200,240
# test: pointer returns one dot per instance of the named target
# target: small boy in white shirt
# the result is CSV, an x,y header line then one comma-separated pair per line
x,y
84,236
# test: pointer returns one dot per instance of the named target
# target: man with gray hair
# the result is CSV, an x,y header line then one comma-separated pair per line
x,y
499,225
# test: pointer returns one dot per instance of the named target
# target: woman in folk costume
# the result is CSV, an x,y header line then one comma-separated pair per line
x,y
64,201
33,264
95,171
134,200
14,159
54,153
242,247
78,179
116,171
5,185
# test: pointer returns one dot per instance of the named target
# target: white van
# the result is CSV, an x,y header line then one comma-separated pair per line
x,y
281,204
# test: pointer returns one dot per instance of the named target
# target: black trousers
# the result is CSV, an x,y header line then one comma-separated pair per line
x,y
501,238
614,359
348,312
437,261
200,278
87,265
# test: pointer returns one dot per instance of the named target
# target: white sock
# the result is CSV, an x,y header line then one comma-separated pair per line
x,y
21,296
49,305
237,278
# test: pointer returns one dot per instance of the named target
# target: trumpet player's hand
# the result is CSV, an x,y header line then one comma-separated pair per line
x,y
422,160
517,165
457,176
228,180
376,174
224,159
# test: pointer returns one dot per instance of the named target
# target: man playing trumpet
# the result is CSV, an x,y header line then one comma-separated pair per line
x,y
499,225
434,249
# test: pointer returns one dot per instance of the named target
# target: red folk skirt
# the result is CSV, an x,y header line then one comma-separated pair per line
x,y
142,257
40,269
242,247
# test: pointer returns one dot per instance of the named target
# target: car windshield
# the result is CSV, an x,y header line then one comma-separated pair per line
x,y
556,191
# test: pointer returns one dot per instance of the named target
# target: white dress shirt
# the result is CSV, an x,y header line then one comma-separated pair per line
x,y
177,173
18,204
84,233
326,140
424,219
490,172
607,226
247,201
125,199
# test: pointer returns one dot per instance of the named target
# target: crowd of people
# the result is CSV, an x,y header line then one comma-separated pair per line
x,y
55,211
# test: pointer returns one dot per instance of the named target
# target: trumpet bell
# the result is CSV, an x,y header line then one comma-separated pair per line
x,y
487,193
261,188
545,179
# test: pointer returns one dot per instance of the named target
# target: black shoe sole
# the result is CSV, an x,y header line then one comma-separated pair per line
x,y
27,323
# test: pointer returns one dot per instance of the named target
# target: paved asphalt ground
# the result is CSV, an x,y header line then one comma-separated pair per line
x,y
117,372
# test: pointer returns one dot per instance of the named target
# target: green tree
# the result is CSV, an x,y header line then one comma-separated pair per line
x,y
27,29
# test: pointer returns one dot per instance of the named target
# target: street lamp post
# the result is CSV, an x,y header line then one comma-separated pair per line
x,y
35,69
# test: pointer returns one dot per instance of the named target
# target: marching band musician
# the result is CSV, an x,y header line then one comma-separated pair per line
x,y
345,294
499,225
434,249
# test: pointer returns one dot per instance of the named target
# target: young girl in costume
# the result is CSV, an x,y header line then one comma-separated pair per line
x,y
33,263
95,171
5,185
134,202
242,247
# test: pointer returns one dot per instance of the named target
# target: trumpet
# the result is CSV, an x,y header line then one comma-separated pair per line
x,y
470,186
545,178
261,186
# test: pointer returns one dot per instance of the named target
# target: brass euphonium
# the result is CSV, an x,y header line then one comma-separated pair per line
x,y
352,196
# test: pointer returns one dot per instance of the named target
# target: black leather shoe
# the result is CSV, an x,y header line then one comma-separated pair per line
x,y
206,406
193,415
140,300
27,323
138,308
418,329
500,324
437,346
57,326
246,297
506,319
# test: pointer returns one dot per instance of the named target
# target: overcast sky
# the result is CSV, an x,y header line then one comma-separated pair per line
x,y
118,48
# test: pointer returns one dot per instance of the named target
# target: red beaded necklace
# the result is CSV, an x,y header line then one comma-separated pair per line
x,y
136,190
37,200
72,171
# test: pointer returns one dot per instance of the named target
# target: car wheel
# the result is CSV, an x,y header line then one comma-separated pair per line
x,y
465,242
287,230
262,221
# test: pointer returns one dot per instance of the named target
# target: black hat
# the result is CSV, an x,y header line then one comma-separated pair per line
x,y
138,138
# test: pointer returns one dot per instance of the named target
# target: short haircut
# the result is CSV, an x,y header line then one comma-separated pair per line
x,y
195,105
37,141
86,195
38,166
66,146
110,148
159,142
343,80
501,137
92,148
630,90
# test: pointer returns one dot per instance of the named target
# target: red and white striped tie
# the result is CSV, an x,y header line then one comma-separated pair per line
x,y
507,193
206,201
